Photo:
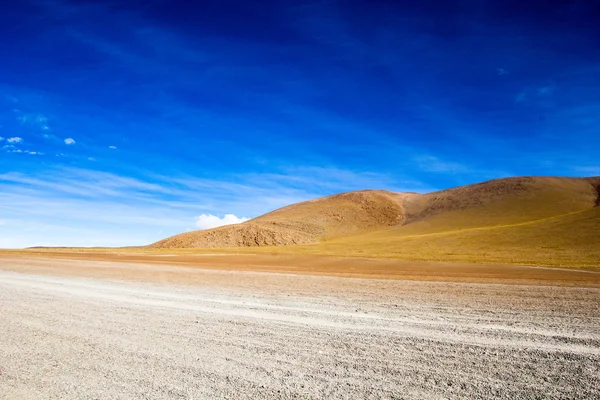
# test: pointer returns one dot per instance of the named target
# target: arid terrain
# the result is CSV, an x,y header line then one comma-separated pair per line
x,y
86,326
543,221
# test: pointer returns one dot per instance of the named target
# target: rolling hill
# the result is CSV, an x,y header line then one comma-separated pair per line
x,y
531,220
311,221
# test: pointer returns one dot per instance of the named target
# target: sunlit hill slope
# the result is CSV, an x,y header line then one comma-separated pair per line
x,y
531,220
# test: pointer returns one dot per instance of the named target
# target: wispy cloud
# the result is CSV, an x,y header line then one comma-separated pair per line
x,y
14,140
69,141
541,95
38,121
590,170
431,163
85,208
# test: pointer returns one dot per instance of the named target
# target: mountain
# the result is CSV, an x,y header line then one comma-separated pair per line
x,y
521,219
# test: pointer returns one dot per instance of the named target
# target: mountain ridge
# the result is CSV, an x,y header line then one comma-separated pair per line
x,y
340,217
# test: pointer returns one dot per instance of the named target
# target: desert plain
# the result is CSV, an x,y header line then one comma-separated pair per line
x,y
119,325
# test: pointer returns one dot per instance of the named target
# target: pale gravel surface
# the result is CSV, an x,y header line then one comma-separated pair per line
x,y
257,335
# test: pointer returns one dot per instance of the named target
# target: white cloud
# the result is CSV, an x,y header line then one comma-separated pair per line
x,y
14,140
1,138
112,147
11,149
207,221
69,141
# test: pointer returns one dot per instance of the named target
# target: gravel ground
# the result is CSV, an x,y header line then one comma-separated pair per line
x,y
260,335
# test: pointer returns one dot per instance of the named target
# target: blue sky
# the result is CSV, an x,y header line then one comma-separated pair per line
x,y
123,122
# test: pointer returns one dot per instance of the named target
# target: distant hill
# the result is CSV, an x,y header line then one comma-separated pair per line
x,y
547,220
311,221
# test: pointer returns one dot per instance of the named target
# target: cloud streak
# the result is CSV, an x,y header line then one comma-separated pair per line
x,y
33,120
431,163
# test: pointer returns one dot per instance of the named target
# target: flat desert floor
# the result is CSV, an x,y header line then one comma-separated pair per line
x,y
172,327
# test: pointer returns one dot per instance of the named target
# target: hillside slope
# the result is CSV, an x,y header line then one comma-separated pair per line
x,y
307,222
529,212
499,202
569,240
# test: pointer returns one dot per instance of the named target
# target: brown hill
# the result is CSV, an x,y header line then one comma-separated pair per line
x,y
349,222
567,240
499,202
311,221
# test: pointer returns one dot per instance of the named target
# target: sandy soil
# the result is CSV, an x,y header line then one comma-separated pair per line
x,y
295,264
77,329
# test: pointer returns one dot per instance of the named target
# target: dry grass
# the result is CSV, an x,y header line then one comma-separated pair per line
x,y
541,221
571,240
